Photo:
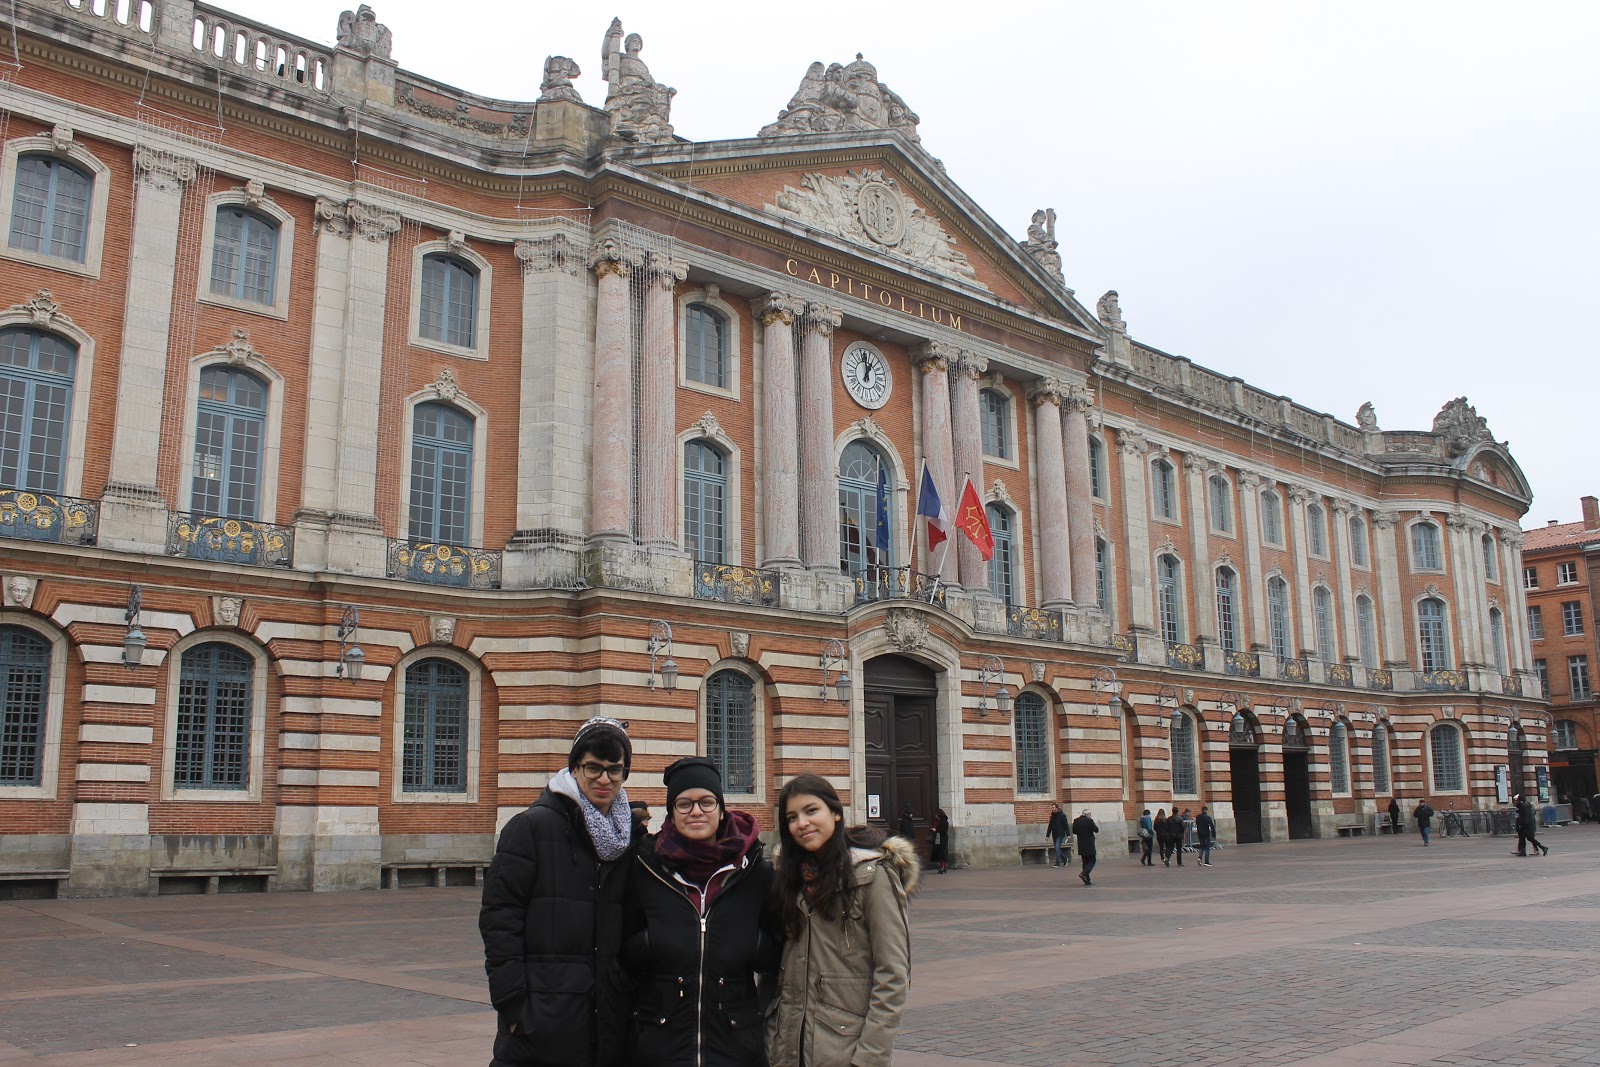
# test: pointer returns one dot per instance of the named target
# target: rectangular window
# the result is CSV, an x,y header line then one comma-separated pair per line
x,y
1446,745
1578,675
1530,577
1566,574
1221,506
995,412
1572,618
1542,669
1271,519
1100,574
1358,542
1365,633
1380,760
1164,490
1317,530
1535,623
1097,459
705,343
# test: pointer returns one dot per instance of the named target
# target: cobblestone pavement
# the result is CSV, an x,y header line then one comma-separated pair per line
x,y
1369,951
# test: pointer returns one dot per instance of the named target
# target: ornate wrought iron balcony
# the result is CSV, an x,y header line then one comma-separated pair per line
x,y
1442,681
1242,664
898,583
1293,670
1035,623
1188,657
436,564
62,520
1339,674
1381,678
735,585
241,541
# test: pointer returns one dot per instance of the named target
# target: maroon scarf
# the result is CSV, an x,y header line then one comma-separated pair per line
x,y
697,861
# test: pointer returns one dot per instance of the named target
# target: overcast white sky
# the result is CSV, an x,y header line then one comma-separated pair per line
x,y
1395,202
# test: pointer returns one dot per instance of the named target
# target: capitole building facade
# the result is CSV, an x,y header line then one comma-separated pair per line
x,y
363,436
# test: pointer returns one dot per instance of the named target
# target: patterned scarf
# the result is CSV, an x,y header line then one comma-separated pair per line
x,y
697,861
811,879
611,832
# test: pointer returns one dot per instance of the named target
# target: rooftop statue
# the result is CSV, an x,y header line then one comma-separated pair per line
x,y
1041,243
360,31
1367,417
1109,312
557,85
1461,426
639,107
843,97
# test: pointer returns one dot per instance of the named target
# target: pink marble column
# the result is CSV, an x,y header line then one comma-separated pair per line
x,y
611,449
934,358
1055,579
967,426
1080,504
780,486
658,407
819,478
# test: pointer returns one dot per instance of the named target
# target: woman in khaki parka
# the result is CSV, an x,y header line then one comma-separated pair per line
x,y
847,961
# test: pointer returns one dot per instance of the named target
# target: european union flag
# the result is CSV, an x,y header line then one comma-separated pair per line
x,y
882,537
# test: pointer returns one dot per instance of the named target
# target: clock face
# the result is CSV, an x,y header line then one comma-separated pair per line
x,y
866,375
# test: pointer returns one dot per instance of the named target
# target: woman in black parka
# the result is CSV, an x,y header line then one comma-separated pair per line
x,y
701,929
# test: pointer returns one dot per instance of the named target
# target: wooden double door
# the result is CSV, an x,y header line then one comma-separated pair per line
x,y
901,738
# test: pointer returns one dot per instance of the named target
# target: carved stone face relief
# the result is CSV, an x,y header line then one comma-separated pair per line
x,y
226,609
741,644
443,629
19,591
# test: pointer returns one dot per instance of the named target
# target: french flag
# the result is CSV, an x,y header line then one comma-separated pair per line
x,y
930,507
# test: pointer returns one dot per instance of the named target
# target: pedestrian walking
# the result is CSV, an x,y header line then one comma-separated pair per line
x,y
640,811
1205,829
1084,829
847,959
1056,830
1147,834
1580,809
552,919
701,925
1527,828
939,841
1422,814
908,825
1180,825
1394,815
1163,830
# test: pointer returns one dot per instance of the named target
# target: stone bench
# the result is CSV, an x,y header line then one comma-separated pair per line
x,y
209,881
432,873
1027,854
1349,825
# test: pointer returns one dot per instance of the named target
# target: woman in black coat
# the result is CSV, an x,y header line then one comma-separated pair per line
x,y
939,841
701,929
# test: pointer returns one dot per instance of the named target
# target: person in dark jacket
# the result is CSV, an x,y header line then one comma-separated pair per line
x,y
1160,827
939,841
1084,829
1205,833
1422,815
908,825
702,929
552,913
1528,828
1173,842
1147,834
1394,815
1056,831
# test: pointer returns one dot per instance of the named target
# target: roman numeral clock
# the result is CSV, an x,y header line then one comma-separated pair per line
x,y
866,375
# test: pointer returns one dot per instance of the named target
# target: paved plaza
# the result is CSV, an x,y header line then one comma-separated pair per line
x,y
1368,951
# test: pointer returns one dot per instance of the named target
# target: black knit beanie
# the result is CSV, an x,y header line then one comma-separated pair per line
x,y
597,729
692,772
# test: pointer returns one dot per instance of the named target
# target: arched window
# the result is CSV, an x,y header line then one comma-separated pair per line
x,y
216,699
860,468
1445,742
1490,570
1435,653
1167,586
730,729
449,308
1221,504
50,214
1030,720
1497,639
1367,632
1317,529
1271,518
434,759
995,411
1101,570
1358,541
244,255
1227,629
1097,468
1002,567
1163,489
705,333
1278,616
1339,758
705,494
36,377
1425,547
441,475
228,429
1322,615
1564,735
25,687
1184,761
1380,760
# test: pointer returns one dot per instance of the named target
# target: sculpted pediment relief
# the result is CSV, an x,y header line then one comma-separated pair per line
x,y
868,207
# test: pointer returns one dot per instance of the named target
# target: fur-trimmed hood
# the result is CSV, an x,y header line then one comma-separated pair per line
x,y
895,851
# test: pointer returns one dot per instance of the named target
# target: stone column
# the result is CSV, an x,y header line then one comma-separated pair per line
x,y
1342,510
1519,653
1464,561
1255,582
819,478
1299,496
967,431
658,407
611,447
1136,519
1196,470
1080,494
1391,609
780,486
133,513
934,358
1055,579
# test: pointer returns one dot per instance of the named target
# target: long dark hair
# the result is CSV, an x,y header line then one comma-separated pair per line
x,y
835,872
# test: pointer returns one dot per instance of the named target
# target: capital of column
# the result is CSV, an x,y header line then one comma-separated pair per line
x,y
822,319
540,255
609,256
1385,520
662,270
1342,506
1512,539
1047,391
370,222
968,365
1130,443
1457,520
1079,399
162,170
1194,463
776,307
1299,494
935,356
1249,481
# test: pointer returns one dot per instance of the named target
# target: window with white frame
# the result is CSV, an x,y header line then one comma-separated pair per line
x,y
1380,759
1530,577
706,345
1101,569
1322,618
1566,573
994,409
1097,468
730,729
434,752
1491,569
1164,489
1358,541
1431,640
1542,669
1578,678
1444,741
1564,735
37,372
1221,504
1367,632
50,208
216,699
1535,622
1497,639
1033,765
1572,618
1278,616
1002,565
1425,547
1181,735
1227,626
230,421
1339,758
1317,529
441,475
24,718
449,309
1167,602
244,255
705,494
861,471
1271,517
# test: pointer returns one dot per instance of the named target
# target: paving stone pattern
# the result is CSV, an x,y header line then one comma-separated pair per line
x,y
1372,952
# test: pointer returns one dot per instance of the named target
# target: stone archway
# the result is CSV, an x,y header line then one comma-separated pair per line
x,y
900,742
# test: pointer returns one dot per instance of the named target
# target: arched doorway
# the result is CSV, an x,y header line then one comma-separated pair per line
x,y
899,732
1297,777
1244,765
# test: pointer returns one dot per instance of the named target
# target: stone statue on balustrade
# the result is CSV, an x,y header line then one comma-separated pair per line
x,y
1041,243
640,107
1367,416
844,97
557,85
360,31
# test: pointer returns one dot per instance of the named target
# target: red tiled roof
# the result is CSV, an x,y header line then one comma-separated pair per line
x,y
1561,535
